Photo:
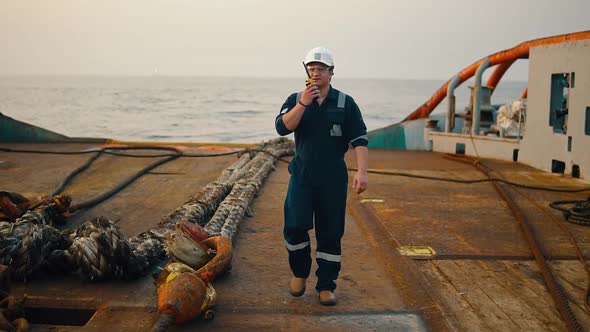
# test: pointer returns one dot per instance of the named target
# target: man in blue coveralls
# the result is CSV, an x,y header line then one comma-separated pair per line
x,y
325,121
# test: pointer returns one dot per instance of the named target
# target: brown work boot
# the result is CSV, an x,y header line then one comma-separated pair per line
x,y
327,297
297,286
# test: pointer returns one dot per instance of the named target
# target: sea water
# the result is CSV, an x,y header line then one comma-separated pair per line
x,y
201,109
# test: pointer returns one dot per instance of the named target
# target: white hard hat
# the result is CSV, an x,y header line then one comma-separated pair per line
x,y
320,54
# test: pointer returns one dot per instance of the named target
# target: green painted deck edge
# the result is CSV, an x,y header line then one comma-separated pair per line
x,y
12,130
392,137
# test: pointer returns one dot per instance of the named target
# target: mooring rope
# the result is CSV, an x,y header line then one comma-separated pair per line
x,y
98,250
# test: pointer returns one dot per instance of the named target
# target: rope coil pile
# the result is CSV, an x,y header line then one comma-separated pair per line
x,y
27,243
578,214
99,251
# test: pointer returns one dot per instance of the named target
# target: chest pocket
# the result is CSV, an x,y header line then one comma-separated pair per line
x,y
336,116
336,121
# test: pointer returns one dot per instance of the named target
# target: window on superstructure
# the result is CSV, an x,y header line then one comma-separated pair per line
x,y
558,105
557,166
576,171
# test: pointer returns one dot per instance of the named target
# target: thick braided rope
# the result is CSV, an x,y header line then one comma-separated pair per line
x,y
25,244
100,250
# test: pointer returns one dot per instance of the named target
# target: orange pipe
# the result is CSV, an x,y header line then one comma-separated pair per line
x,y
524,93
498,73
521,51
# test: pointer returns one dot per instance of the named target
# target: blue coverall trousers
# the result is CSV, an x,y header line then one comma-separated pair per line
x,y
321,205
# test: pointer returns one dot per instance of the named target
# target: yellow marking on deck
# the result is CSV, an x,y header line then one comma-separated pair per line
x,y
423,251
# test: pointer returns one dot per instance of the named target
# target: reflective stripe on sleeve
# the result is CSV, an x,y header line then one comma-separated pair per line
x,y
295,247
328,257
360,137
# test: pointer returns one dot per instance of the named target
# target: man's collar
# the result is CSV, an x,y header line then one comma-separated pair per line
x,y
332,93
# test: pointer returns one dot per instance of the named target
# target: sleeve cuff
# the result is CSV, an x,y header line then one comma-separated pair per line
x,y
362,140
280,126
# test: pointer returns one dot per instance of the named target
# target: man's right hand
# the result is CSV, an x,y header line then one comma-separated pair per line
x,y
310,93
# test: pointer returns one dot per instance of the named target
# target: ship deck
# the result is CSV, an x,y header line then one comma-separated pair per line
x,y
483,276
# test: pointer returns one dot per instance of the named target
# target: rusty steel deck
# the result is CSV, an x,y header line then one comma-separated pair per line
x,y
483,276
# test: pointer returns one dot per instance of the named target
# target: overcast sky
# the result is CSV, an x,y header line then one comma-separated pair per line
x,y
269,38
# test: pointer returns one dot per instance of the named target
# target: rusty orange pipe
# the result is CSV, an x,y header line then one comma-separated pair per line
x,y
521,51
496,76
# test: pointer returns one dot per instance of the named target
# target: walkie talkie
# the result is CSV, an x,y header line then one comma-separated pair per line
x,y
309,80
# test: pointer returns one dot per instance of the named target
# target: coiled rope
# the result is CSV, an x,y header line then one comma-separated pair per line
x,y
26,243
578,214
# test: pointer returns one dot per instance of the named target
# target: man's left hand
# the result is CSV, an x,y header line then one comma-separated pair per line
x,y
360,182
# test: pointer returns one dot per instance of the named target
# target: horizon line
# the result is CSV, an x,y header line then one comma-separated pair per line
x,y
213,76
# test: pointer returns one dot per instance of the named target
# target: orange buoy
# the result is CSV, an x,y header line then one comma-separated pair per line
x,y
182,295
